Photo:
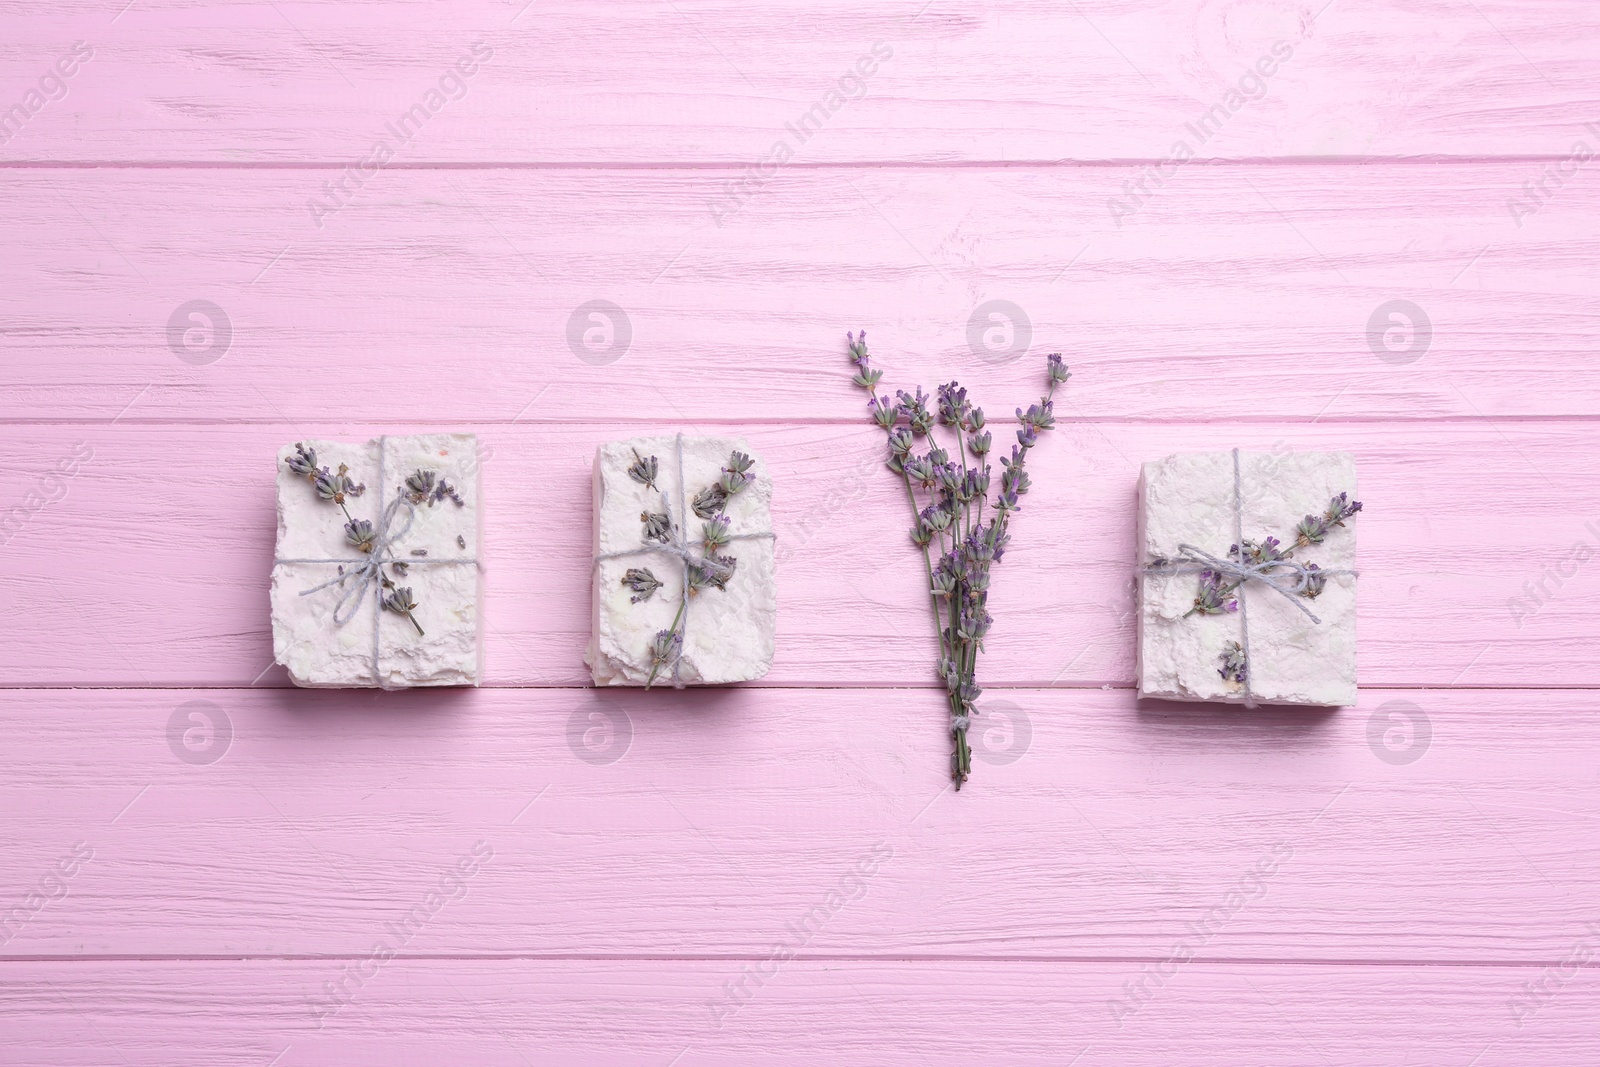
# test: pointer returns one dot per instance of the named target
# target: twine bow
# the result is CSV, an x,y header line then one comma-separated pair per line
x,y
677,546
368,571
1287,577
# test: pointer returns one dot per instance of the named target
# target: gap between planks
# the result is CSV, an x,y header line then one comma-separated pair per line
x,y
854,164
803,957
1011,687
424,426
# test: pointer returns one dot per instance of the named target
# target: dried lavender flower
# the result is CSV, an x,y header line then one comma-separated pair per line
x,y
643,583
719,569
644,470
884,411
1056,369
915,410
709,501
360,532
1234,665
657,527
664,649
714,534
1213,596
304,461
697,576
334,487
401,602
736,476
1316,582
419,485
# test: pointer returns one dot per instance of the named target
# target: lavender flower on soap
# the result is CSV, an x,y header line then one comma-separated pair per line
x,y
422,487
712,569
1215,595
949,493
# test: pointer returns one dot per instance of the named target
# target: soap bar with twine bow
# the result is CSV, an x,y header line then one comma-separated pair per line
x,y
684,576
1247,581
376,580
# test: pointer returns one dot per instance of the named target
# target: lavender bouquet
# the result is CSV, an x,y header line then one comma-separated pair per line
x,y
950,526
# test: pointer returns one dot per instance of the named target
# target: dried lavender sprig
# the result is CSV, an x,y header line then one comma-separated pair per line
x,y
401,602
711,570
958,587
1312,530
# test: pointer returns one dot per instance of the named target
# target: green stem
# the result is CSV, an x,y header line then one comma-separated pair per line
x,y
961,447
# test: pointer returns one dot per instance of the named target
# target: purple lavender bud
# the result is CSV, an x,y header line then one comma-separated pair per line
x,y
884,411
1056,371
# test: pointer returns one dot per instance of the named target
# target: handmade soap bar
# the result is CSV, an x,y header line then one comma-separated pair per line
x,y
376,580
1195,625
684,580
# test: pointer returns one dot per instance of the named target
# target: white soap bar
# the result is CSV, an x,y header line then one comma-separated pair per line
x,y
1292,660
728,634
438,553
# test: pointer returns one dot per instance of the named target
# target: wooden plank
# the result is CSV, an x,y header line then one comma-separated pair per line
x,y
511,1013
714,81
1236,293
1475,553
1418,826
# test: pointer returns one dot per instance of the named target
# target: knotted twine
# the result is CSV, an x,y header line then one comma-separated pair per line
x,y
1287,577
676,546
368,571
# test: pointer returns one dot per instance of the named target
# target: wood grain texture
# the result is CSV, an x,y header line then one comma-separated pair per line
x,y
714,81
194,853
1475,553
514,1013
1237,293
716,823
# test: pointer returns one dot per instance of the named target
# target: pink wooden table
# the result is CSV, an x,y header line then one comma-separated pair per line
x,y
230,227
